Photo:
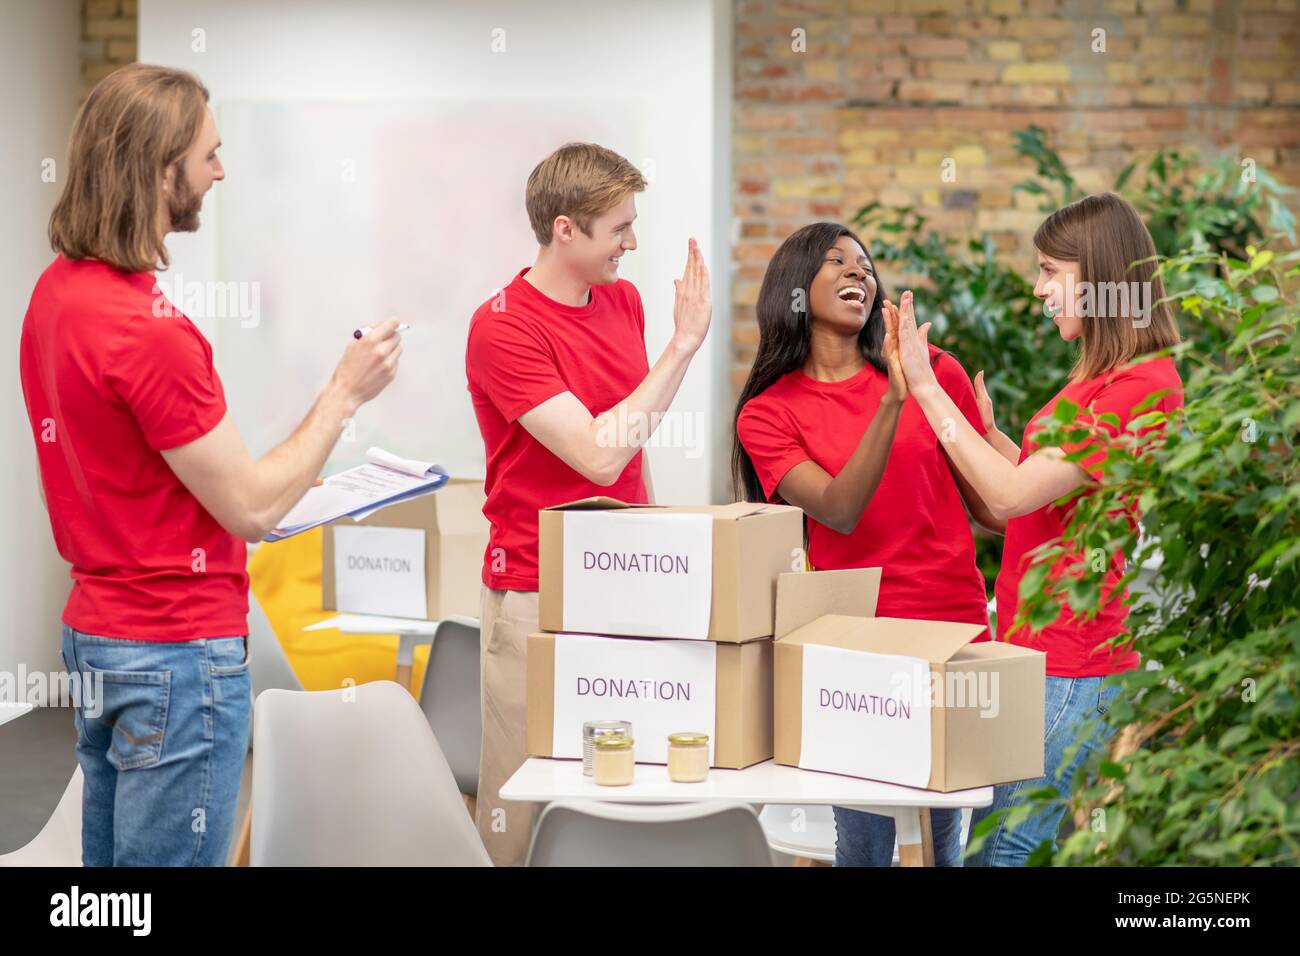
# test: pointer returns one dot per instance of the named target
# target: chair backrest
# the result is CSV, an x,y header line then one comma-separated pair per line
x,y
268,665
354,777
450,699
799,830
591,833
59,842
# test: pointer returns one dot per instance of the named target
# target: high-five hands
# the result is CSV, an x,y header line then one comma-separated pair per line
x,y
692,302
913,349
897,380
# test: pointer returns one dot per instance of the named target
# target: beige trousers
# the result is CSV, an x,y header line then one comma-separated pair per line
x,y
507,618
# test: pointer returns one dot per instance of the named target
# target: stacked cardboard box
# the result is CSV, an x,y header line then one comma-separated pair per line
x,y
701,618
662,616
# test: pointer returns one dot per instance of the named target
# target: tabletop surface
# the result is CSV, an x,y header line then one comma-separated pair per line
x,y
542,780
10,711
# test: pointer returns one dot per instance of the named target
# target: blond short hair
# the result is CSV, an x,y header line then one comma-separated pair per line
x,y
581,181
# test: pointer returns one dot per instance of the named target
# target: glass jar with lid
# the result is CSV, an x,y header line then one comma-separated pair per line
x,y
688,757
612,761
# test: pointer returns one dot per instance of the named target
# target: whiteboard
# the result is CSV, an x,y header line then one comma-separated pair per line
x,y
341,213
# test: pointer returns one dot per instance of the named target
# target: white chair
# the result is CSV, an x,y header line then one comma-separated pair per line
x,y
354,777
59,842
450,698
594,833
809,831
801,831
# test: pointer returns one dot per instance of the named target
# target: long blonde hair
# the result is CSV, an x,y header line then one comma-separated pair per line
x,y
137,122
1107,237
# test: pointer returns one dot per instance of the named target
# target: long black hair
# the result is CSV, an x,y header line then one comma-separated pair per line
x,y
785,328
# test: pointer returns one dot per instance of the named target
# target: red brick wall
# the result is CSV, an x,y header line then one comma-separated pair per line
x,y
108,38
886,90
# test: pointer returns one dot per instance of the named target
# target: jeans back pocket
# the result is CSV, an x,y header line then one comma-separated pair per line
x,y
133,708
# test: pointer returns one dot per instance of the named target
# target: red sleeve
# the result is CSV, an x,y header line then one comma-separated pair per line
x,y
638,310
954,380
512,365
162,370
771,443
634,297
1110,411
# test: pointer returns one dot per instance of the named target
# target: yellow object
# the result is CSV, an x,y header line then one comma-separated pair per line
x,y
613,763
688,757
285,579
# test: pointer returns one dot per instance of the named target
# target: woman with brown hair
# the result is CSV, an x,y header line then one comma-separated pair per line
x,y
1097,280
824,423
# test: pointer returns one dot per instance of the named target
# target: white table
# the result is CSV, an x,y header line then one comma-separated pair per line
x,y
541,780
11,711
410,632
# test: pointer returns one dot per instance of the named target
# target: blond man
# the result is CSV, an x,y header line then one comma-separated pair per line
x,y
555,362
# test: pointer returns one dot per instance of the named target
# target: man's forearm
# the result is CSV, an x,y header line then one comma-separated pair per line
x,y
283,475
640,411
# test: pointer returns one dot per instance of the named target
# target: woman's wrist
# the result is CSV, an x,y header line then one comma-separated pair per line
x,y
925,391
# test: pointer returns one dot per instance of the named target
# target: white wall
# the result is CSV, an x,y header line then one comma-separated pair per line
x,y
40,76
668,55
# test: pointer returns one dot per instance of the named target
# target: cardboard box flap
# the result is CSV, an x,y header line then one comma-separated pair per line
x,y
459,505
596,503
933,641
731,512
802,597
740,509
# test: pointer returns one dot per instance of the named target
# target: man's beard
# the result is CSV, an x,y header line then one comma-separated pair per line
x,y
182,205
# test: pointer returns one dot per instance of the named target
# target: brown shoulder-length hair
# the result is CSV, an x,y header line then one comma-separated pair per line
x,y
136,122
1108,239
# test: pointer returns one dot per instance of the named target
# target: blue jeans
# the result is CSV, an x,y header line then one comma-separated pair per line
x,y
867,839
1074,705
162,734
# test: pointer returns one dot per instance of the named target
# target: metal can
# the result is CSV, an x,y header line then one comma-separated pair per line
x,y
599,728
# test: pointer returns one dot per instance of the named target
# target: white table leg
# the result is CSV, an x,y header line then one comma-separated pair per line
x,y
406,660
915,840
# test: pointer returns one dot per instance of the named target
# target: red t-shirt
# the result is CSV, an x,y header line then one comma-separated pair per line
x,y
915,527
109,383
1073,644
524,348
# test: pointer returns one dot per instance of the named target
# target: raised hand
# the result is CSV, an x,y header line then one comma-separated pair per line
x,y
692,302
913,349
897,380
984,403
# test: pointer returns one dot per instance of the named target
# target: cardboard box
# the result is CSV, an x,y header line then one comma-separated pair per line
x,y
422,555
903,701
742,714
663,686
703,573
